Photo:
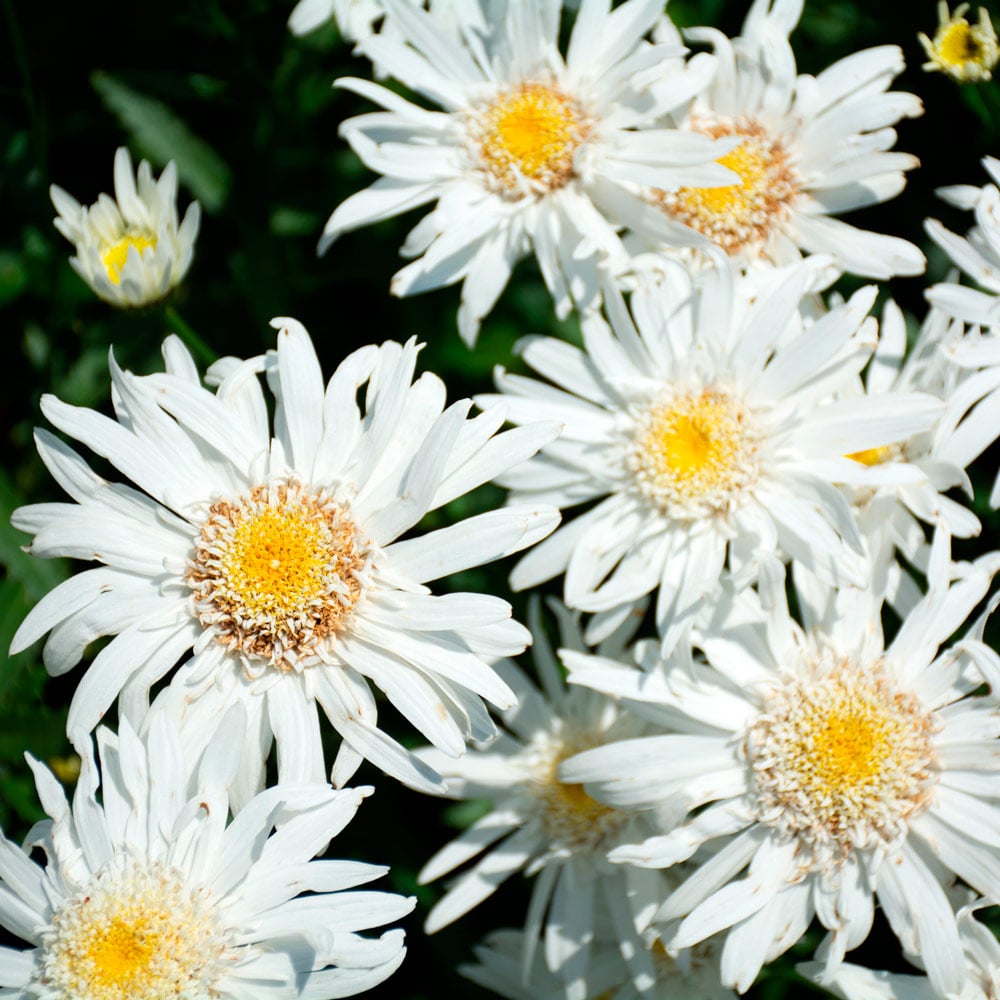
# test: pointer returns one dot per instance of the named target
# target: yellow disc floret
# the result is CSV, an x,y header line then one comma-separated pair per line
x,y
570,817
841,758
694,453
277,572
134,931
115,254
526,139
966,52
739,216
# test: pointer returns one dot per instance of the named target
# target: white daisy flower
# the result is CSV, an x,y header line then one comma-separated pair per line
x,y
130,250
694,974
501,969
831,768
896,487
977,254
966,52
810,148
982,953
530,149
274,555
149,891
973,406
547,828
706,434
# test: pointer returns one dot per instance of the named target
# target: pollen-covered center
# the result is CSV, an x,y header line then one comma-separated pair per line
x,y
277,572
959,43
695,453
569,816
739,216
526,138
134,931
841,758
114,255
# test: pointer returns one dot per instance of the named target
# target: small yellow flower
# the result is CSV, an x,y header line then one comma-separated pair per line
x,y
967,53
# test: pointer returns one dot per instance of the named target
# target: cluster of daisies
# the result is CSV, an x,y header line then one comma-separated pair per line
x,y
765,698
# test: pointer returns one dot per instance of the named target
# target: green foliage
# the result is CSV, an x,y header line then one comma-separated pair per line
x,y
159,134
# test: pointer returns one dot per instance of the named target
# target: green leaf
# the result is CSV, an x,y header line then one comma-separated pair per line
x,y
13,277
162,136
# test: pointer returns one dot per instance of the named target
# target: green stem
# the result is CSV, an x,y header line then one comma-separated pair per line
x,y
197,346
991,100
974,99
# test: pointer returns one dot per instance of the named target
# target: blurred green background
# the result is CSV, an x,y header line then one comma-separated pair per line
x,y
248,113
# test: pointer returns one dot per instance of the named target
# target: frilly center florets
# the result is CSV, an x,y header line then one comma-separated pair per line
x,y
278,572
526,139
841,758
135,931
694,453
739,216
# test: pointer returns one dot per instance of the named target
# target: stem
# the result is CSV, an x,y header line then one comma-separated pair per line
x,y
991,101
197,346
974,100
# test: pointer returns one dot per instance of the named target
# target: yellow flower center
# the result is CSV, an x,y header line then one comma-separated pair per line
x,y
694,454
959,43
841,758
277,572
569,816
527,137
739,216
114,256
122,956
133,932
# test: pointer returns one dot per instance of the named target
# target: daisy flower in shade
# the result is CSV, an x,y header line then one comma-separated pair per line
x,y
150,892
966,52
704,430
501,969
982,953
530,150
894,488
831,768
545,827
274,555
130,250
809,149
694,974
977,254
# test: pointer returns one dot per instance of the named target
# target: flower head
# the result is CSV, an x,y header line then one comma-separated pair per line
x,y
150,891
805,150
833,767
275,559
703,426
130,250
966,52
551,829
531,150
